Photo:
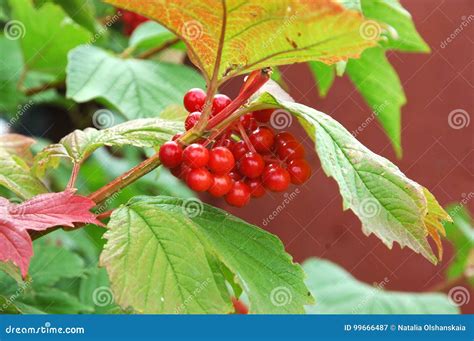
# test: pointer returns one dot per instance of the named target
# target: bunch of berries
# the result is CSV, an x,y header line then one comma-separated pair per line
x,y
131,21
244,161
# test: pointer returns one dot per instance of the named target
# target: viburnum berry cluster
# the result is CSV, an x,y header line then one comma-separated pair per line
x,y
243,161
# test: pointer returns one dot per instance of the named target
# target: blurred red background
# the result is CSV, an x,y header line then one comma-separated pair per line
x,y
436,155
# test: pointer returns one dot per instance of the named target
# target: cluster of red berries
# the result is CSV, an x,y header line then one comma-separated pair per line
x,y
131,21
242,162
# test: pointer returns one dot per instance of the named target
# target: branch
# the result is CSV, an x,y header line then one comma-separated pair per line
x,y
149,53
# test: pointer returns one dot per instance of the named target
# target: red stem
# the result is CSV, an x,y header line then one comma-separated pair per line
x,y
75,172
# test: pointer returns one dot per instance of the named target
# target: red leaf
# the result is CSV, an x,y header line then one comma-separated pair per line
x,y
39,213
52,209
15,246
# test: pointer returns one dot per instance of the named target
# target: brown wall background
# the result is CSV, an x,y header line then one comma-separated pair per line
x,y
436,155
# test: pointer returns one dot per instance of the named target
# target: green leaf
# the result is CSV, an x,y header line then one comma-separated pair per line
x,y
324,76
380,86
10,71
174,275
82,12
47,36
406,38
52,263
390,205
55,301
183,234
254,34
16,175
137,88
338,292
78,145
150,34
95,292
461,234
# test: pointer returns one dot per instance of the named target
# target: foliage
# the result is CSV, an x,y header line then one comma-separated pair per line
x,y
175,254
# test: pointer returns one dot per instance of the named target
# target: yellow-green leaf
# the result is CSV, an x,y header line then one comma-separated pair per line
x,y
241,36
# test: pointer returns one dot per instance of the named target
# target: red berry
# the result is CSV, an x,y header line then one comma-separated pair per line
x,y
170,154
221,185
195,155
263,116
221,160
239,150
256,188
290,150
219,103
239,306
299,170
262,139
251,165
282,138
239,195
177,136
228,143
191,120
199,179
181,171
194,100
248,122
276,179
235,175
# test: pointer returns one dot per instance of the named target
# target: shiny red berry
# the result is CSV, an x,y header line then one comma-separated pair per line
x,y
235,175
282,138
195,155
239,150
219,103
221,160
263,116
262,139
221,185
239,195
177,136
256,187
170,154
199,179
251,165
228,143
248,122
290,150
194,100
276,179
181,171
191,120
299,170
